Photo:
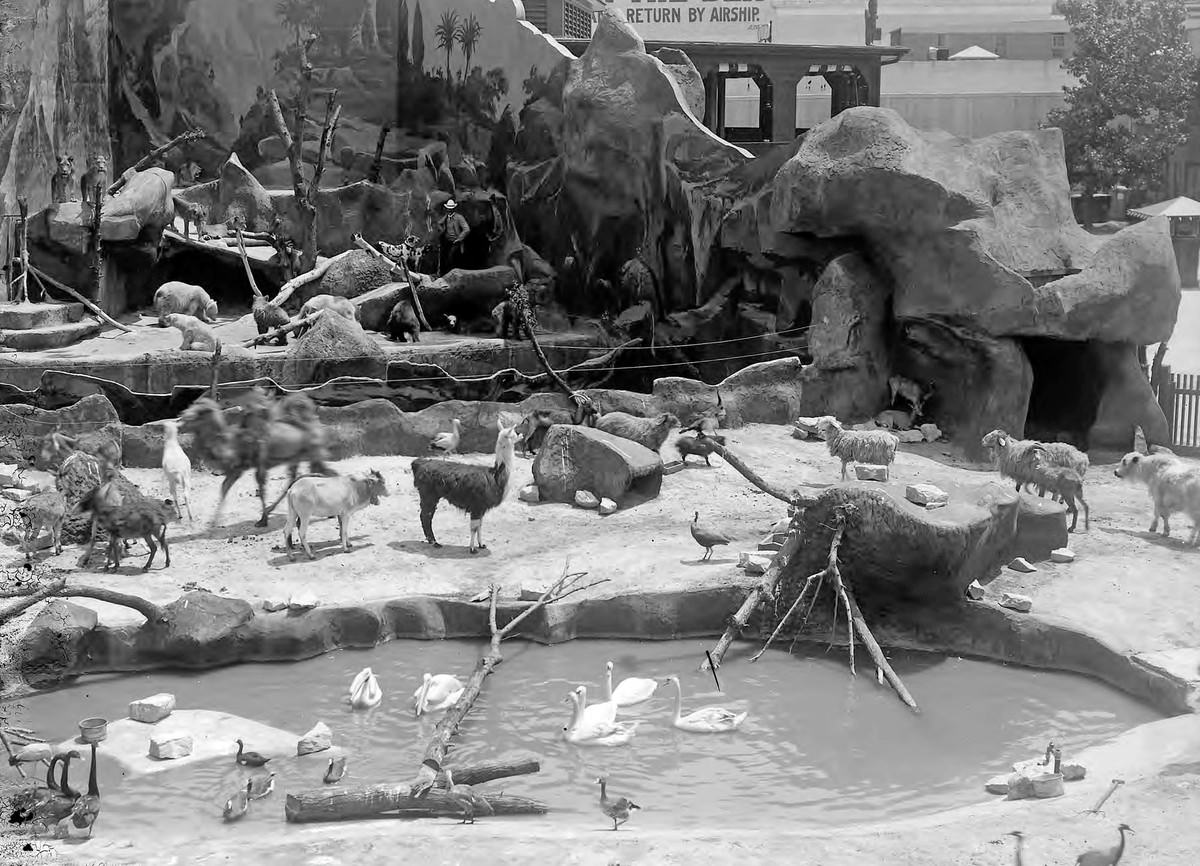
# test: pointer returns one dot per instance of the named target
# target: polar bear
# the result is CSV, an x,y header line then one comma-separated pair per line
x,y
179,297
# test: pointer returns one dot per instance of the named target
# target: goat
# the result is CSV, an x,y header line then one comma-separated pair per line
x,y
146,519
700,445
45,510
1018,459
1067,484
648,432
877,447
1174,487
915,394
101,444
473,488
329,496
176,466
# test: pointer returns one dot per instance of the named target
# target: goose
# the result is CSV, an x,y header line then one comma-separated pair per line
x,y
447,442
618,808
466,799
364,690
708,720
427,776
335,770
437,693
248,759
27,800
59,804
706,537
631,690
604,712
583,733
237,805
87,807
261,785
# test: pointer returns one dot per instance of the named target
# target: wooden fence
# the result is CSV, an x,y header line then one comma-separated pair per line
x,y
1179,397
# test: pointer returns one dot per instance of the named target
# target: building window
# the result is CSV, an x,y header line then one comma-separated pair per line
x,y
1058,44
577,24
1001,46
941,40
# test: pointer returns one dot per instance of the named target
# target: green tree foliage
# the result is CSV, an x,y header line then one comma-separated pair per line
x,y
445,33
1136,81
468,34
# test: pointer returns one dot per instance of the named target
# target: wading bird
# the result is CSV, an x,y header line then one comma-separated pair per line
x,y
617,808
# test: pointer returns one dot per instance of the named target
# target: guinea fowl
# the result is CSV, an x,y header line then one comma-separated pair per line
x,y
706,537
249,759
617,808
466,799
87,808
261,785
335,770
447,442
237,805
1105,857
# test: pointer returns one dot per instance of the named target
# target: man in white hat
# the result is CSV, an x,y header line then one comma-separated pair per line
x,y
453,229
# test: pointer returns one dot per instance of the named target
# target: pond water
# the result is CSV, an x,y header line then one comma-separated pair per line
x,y
818,748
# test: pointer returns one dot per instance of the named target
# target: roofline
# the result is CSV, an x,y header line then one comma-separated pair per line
x,y
887,54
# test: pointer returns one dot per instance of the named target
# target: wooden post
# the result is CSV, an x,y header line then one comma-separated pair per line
x,y
377,164
97,261
1166,397
23,246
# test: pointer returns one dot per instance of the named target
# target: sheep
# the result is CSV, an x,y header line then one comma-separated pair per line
x,y
329,496
144,518
473,488
45,510
1174,487
1067,484
1018,459
176,467
177,297
194,331
341,306
701,445
648,432
101,444
877,447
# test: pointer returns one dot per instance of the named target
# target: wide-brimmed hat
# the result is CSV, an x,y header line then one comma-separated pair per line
x,y
451,204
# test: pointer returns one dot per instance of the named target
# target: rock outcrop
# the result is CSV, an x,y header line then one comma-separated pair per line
x,y
334,346
575,459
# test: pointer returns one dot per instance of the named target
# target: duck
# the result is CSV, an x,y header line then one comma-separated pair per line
x,y
583,733
617,808
260,785
708,720
706,537
249,759
87,808
604,712
447,442
630,691
335,770
437,692
237,805
364,690
466,799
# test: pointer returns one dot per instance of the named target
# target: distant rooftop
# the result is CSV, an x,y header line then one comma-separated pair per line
x,y
960,24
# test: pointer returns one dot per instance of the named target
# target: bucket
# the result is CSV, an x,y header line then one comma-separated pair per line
x,y
1048,785
93,730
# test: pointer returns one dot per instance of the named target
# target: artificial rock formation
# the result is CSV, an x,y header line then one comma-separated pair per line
x,y
575,459
333,346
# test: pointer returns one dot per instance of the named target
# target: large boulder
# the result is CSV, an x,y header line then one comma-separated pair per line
x,y
1127,401
334,346
354,274
54,647
200,629
574,458
375,306
23,427
143,204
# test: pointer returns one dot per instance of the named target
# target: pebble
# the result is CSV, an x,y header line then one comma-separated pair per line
x,y
1062,554
164,747
754,563
799,433
976,592
586,499
931,432
607,506
927,495
530,493
1022,565
870,472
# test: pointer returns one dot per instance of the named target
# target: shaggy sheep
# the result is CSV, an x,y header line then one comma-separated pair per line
x,y
648,432
1174,487
177,297
1018,459
1066,484
194,331
329,496
473,488
877,447
339,305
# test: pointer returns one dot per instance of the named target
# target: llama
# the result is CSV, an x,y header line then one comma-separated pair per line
x,y
176,467
473,488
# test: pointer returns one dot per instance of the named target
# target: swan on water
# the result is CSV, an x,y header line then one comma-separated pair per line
x,y
707,720
604,712
437,692
631,690
582,732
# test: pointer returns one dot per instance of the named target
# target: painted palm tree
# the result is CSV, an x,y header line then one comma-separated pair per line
x,y
468,35
445,33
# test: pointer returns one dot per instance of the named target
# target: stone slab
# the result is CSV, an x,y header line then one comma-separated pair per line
x,y
213,734
927,495
1062,555
50,337
26,316
1017,602
152,709
870,472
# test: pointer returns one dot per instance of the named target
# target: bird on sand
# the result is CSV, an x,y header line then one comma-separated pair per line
x,y
447,442
1020,855
466,799
249,759
1105,856
261,785
706,537
237,805
617,808
335,770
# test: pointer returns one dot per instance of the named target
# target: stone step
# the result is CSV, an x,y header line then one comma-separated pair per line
x,y
52,337
27,316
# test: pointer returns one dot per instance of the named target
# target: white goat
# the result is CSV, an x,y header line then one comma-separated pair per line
x,y
330,496
877,447
176,467
1174,487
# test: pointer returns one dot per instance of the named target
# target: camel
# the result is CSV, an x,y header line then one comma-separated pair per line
x,y
265,433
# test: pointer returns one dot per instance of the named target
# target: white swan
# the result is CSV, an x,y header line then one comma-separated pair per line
x,y
437,693
364,690
631,690
583,733
708,720
604,712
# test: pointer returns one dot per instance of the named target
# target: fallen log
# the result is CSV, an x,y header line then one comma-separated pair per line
x,y
342,803
335,806
281,330
96,311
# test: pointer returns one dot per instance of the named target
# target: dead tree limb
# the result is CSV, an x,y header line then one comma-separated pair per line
x,y
58,588
35,595
376,170
396,803
182,138
96,311
333,113
795,498
858,624
246,262
402,266
12,758
307,277
283,329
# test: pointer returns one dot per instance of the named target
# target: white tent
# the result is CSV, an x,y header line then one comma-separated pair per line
x,y
974,53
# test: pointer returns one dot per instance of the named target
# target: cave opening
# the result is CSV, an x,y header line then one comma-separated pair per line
x,y
223,278
1068,383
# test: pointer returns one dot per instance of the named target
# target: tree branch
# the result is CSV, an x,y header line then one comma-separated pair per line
x,y
58,588
182,138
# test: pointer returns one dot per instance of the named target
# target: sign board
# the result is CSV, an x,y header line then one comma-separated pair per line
x,y
698,20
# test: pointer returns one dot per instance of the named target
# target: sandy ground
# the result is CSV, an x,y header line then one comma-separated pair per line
x,y
1137,591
